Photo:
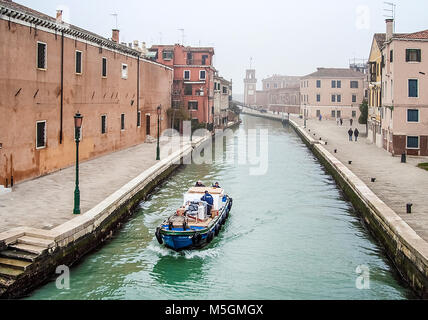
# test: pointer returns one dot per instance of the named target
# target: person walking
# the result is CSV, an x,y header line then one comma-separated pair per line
x,y
337,121
356,133
350,121
350,133
341,121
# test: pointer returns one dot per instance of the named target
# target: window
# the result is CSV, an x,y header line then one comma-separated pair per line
x,y
267,85
318,97
124,71
103,124
186,74
138,119
225,91
204,59
318,83
391,56
412,115
193,105
202,74
333,83
188,90
339,84
354,114
412,142
333,98
354,84
40,134
167,55
104,67
42,55
413,55
354,98
338,113
333,113
122,121
78,62
413,88
318,113
275,85
339,98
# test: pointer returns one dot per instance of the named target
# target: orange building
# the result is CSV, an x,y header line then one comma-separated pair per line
x,y
193,87
51,70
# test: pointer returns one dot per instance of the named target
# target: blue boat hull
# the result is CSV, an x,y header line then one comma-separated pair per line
x,y
187,241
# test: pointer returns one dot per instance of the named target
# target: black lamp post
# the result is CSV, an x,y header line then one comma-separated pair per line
x,y
158,148
78,119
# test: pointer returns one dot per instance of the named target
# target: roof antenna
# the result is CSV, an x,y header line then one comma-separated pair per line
x,y
115,15
390,12
251,62
182,36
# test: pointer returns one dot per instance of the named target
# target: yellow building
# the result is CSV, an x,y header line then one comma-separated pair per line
x,y
375,89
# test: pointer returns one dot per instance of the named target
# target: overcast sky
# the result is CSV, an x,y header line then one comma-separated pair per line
x,y
285,37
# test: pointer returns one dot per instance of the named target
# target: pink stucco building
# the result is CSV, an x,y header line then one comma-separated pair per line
x,y
332,93
404,112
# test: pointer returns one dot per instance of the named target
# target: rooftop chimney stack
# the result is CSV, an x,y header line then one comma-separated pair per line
x,y
389,29
59,16
115,35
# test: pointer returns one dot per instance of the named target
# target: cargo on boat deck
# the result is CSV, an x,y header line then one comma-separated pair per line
x,y
196,222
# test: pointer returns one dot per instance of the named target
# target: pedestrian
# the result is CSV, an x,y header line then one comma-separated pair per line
x,y
199,184
337,121
341,121
356,133
350,121
320,117
350,133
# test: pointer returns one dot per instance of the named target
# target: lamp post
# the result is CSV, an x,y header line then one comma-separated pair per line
x,y
158,148
78,119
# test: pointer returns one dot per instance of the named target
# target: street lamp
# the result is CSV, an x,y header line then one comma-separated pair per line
x,y
78,119
158,148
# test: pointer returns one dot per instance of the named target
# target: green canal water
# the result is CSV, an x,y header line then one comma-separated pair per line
x,y
291,235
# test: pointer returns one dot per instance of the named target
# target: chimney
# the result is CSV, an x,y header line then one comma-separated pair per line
x,y
59,16
115,35
136,44
389,29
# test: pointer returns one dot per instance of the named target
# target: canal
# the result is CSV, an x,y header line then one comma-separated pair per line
x,y
291,235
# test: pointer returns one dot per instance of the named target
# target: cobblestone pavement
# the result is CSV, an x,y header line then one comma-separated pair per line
x,y
47,202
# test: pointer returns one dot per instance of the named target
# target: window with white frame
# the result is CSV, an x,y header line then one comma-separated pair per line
x,y
104,67
42,55
41,134
78,64
412,115
124,71
412,142
186,75
202,74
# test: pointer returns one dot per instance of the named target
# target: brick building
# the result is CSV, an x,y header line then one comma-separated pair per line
x,y
52,70
193,87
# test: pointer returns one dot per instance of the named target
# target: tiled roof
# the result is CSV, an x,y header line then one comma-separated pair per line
x,y
416,35
335,73
380,39
20,12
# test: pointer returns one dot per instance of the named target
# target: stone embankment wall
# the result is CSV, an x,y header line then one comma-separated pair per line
x,y
406,249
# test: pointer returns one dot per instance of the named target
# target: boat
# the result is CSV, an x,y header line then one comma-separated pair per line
x,y
192,226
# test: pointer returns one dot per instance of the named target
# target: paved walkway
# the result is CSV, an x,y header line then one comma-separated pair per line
x,y
396,183
47,202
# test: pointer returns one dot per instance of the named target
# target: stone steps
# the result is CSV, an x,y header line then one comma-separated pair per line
x,y
5,282
18,255
10,273
39,242
14,263
30,248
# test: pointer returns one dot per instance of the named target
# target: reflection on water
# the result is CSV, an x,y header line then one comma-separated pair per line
x,y
291,235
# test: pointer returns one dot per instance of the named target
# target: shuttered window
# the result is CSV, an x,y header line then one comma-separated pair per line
x,y
413,88
413,55
413,142
412,115
122,121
